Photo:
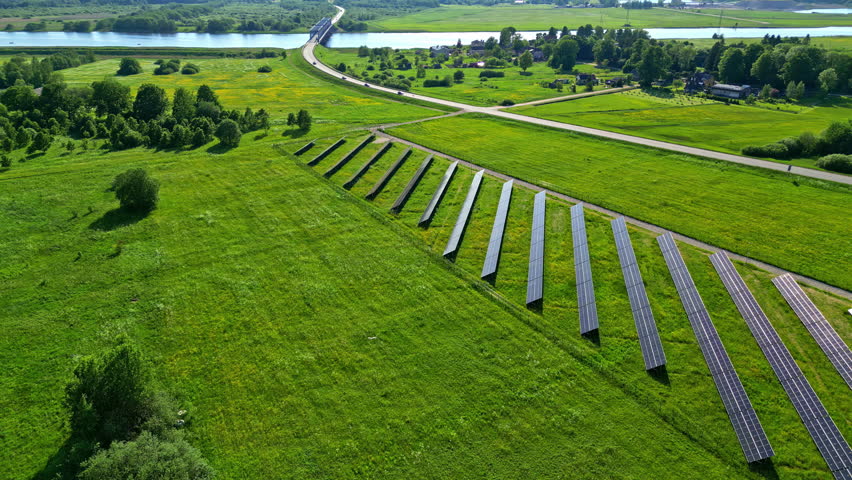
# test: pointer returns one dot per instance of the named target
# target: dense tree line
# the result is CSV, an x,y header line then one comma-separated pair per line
x,y
36,72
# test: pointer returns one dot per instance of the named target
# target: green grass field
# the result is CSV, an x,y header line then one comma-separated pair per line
x,y
697,122
313,335
801,226
514,86
451,18
837,44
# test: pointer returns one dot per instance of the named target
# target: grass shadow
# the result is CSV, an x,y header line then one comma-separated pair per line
x,y
764,468
660,374
294,133
64,464
594,336
117,218
219,149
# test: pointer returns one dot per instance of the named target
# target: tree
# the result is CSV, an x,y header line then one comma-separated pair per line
x,y
5,161
304,120
41,142
764,69
652,65
506,36
803,63
713,57
291,119
604,51
458,76
525,61
109,396
150,103
766,92
23,137
228,133
677,84
732,68
564,55
828,80
148,458
129,66
136,191
183,105
110,97
792,92
206,94
19,97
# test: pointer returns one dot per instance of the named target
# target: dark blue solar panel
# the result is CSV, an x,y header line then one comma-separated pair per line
x,y
366,166
377,188
438,195
464,215
586,305
535,275
492,257
412,184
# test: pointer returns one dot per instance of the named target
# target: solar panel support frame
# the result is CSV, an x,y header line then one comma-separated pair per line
x,y
435,201
380,185
403,197
498,229
464,216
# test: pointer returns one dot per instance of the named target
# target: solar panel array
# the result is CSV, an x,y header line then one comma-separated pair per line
x,y
746,425
492,256
819,424
377,188
535,275
305,148
646,327
438,195
334,146
412,184
366,166
828,339
464,215
343,161
583,272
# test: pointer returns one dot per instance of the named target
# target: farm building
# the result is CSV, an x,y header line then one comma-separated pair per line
x,y
730,91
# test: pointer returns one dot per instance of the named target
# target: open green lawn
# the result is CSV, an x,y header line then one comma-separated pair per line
x,y
472,90
466,18
697,122
798,225
313,335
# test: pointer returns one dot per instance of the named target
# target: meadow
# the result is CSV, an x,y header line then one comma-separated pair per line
x,y
801,221
450,18
688,120
472,89
313,335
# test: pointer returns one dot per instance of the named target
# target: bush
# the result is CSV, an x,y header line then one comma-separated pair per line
x,y
147,458
507,103
135,190
445,82
129,66
167,68
836,162
265,69
5,161
190,69
491,74
774,150
794,146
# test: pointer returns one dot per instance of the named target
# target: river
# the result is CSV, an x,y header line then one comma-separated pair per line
x,y
351,40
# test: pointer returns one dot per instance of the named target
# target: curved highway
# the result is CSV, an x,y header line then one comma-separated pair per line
x,y
308,54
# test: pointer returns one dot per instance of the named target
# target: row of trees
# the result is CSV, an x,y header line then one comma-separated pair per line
x,y
36,72
833,145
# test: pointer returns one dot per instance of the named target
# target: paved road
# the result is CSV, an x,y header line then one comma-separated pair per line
x,y
308,53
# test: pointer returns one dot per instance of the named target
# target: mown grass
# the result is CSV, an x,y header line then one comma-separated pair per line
x,y
313,335
472,90
466,18
685,396
697,122
792,222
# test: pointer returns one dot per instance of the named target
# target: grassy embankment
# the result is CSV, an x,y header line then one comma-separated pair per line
x,y
472,90
541,17
312,336
700,123
792,222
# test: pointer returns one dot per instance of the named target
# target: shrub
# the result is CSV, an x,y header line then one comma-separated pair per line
x,y
794,146
129,66
135,190
774,150
167,68
147,458
190,69
507,103
836,162
5,161
265,69
445,82
491,74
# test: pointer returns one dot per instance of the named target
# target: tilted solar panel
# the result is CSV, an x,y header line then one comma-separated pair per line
x,y
412,184
464,215
331,148
349,156
492,256
438,195
586,304
380,185
535,275
366,166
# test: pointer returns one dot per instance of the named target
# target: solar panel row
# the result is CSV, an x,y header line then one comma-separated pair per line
x,y
535,275
366,166
827,338
464,215
492,256
377,188
412,184
583,272
334,146
646,327
438,195
305,148
746,425
827,437
343,161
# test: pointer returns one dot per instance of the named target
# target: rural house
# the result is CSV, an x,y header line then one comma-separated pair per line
x,y
586,78
730,91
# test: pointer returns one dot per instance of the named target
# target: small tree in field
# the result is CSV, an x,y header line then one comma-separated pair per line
x,y
291,119
525,61
136,191
148,458
458,76
304,120
228,133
